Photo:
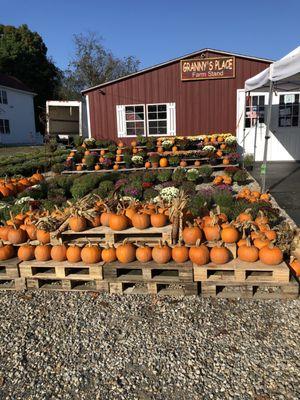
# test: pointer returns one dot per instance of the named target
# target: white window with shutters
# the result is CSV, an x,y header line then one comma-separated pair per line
x,y
146,120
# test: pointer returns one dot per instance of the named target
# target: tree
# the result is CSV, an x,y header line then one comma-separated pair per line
x,y
92,65
23,54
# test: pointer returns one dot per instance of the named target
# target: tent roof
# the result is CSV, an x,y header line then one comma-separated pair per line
x,y
285,73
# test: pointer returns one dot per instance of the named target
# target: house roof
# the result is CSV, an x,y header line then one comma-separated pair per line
x,y
176,60
14,83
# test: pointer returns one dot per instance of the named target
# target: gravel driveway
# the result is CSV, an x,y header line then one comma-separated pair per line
x,y
89,346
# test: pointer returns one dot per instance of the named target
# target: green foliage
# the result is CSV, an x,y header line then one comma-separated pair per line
x,y
78,140
84,185
179,175
240,176
188,187
141,140
205,171
151,144
223,198
127,160
112,148
198,205
149,176
174,161
90,161
164,175
57,168
154,158
192,175
103,143
150,194
105,189
23,54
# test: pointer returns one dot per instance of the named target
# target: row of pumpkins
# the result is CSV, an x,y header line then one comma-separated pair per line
x,y
127,252
12,186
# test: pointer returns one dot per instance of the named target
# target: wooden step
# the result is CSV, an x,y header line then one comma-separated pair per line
x,y
148,272
61,270
240,271
262,290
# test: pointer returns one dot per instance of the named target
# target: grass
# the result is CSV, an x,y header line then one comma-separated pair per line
x,y
13,150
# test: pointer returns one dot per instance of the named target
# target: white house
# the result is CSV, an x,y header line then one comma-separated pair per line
x,y
17,120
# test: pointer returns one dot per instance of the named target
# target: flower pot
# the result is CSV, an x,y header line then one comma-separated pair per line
x,y
155,165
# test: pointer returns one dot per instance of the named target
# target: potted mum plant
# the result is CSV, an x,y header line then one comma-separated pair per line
x,y
154,159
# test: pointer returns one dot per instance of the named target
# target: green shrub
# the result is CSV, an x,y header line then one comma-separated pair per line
x,y
105,189
223,198
205,171
240,176
84,185
154,158
198,205
192,175
57,168
150,194
149,176
174,161
179,175
78,140
188,187
164,175
90,161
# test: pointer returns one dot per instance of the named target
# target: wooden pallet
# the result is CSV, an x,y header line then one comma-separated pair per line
x,y
61,270
161,289
91,285
12,283
247,290
149,272
240,271
10,268
151,235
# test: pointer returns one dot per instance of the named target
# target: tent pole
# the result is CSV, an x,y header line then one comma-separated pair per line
x,y
263,169
255,139
244,131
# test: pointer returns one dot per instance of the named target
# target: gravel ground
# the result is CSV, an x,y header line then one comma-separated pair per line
x,y
89,346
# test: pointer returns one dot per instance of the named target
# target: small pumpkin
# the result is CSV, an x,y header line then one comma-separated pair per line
x,y
42,252
97,167
197,163
261,241
109,254
95,221
26,252
118,222
191,234
147,164
6,251
104,219
91,254
31,231
183,163
270,255
230,234
245,216
261,218
247,252
73,254
140,220
161,253
77,223
212,232
17,236
126,252
43,236
163,162
199,254
59,252
295,265
158,220
180,253
143,254
4,232
219,254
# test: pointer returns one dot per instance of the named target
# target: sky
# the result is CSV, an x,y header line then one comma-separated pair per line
x,y
156,31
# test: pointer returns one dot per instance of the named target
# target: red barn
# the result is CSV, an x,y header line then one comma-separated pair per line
x,y
189,95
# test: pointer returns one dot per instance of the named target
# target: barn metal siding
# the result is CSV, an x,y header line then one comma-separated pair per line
x,y
203,106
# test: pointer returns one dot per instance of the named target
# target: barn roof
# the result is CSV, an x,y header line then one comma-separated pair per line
x,y
14,83
176,60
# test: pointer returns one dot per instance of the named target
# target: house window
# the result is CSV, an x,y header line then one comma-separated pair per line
x,y
288,110
4,126
3,97
146,119
135,120
255,110
157,119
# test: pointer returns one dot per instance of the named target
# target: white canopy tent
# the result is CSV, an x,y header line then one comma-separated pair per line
x,y
282,75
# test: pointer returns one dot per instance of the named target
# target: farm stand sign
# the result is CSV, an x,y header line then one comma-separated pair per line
x,y
207,68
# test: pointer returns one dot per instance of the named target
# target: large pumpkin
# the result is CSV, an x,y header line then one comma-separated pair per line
x,y
230,234
144,254
219,255
77,223
180,254
118,222
248,252
17,236
140,220
59,252
126,252
73,254
199,254
43,236
270,255
158,220
42,252
26,252
161,253
91,254
191,234
109,254
6,251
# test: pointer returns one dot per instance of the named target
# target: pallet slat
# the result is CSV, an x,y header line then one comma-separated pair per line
x,y
93,285
161,289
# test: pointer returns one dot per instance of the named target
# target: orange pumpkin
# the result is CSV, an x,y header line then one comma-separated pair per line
x,y
147,164
109,254
96,221
26,252
261,241
140,220
191,234
158,220
212,232
126,252
31,231
174,149
219,255
59,252
144,254
183,163
199,254
230,234
73,254
161,253
118,222
78,167
163,162
97,167
77,223
43,236
104,219
91,254
261,218
6,251
180,253
248,252
226,161
4,232
118,159
42,252
270,255
17,236
295,264
115,167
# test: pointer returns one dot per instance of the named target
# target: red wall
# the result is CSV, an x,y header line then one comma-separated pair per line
x,y
204,106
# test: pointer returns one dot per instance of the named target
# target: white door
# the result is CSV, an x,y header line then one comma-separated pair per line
x,y
284,142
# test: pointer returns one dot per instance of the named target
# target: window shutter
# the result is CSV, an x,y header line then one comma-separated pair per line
x,y
121,125
171,122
